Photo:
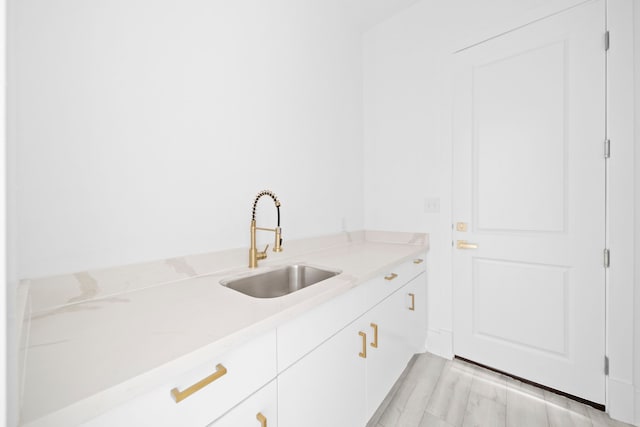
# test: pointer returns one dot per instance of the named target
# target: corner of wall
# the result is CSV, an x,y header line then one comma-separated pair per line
x,y
440,343
636,180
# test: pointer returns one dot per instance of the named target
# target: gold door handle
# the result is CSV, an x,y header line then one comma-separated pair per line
x,y
463,244
418,261
181,395
391,276
413,302
363,353
374,344
262,419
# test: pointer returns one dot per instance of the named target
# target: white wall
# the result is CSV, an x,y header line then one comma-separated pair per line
x,y
143,129
403,153
6,310
636,20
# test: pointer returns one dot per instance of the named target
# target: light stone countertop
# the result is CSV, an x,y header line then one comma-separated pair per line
x,y
94,340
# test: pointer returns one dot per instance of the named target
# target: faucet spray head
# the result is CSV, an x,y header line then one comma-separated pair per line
x,y
265,193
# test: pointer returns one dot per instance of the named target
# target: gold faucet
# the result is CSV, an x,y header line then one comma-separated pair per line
x,y
254,254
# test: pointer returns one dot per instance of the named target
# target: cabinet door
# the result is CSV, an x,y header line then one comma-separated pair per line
x,y
230,378
301,335
415,310
389,356
326,387
259,409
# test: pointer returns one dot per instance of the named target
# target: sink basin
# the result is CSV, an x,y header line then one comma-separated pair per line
x,y
279,282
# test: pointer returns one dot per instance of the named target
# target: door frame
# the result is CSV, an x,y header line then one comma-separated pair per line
x,y
621,224
622,393
561,248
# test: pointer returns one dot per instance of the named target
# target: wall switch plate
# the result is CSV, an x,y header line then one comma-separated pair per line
x,y
432,205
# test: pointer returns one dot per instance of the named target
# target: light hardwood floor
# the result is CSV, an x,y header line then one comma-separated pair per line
x,y
435,392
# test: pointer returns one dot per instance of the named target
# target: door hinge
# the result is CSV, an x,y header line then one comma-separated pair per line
x,y
607,148
606,365
607,258
606,41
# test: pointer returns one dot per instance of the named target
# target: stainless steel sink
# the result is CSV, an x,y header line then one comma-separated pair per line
x,y
279,282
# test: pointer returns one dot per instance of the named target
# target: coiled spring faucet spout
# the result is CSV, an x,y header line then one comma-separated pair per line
x,y
254,254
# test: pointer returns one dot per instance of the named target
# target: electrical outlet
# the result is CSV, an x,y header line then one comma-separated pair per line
x,y
432,205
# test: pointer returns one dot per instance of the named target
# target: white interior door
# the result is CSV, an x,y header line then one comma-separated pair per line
x,y
529,183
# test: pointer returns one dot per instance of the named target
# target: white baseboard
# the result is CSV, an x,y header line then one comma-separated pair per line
x,y
620,401
440,343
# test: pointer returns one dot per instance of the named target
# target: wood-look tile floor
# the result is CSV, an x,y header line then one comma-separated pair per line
x,y
435,392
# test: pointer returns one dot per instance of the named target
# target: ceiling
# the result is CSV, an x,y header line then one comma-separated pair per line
x,y
376,11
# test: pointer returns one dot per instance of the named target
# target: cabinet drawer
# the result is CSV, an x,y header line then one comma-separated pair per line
x,y
260,408
304,333
394,279
248,367
418,264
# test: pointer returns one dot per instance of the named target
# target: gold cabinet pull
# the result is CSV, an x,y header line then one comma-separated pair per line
x,y
391,276
262,419
363,353
181,395
413,302
463,244
374,344
418,261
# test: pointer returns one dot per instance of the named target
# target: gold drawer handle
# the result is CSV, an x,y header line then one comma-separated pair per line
x,y
418,261
363,353
391,276
181,395
463,244
413,302
262,419
374,344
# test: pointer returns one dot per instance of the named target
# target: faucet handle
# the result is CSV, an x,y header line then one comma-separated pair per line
x,y
263,254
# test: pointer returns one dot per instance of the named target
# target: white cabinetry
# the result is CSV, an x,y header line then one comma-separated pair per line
x,y
301,335
332,366
325,388
415,311
259,410
343,380
207,391
389,353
